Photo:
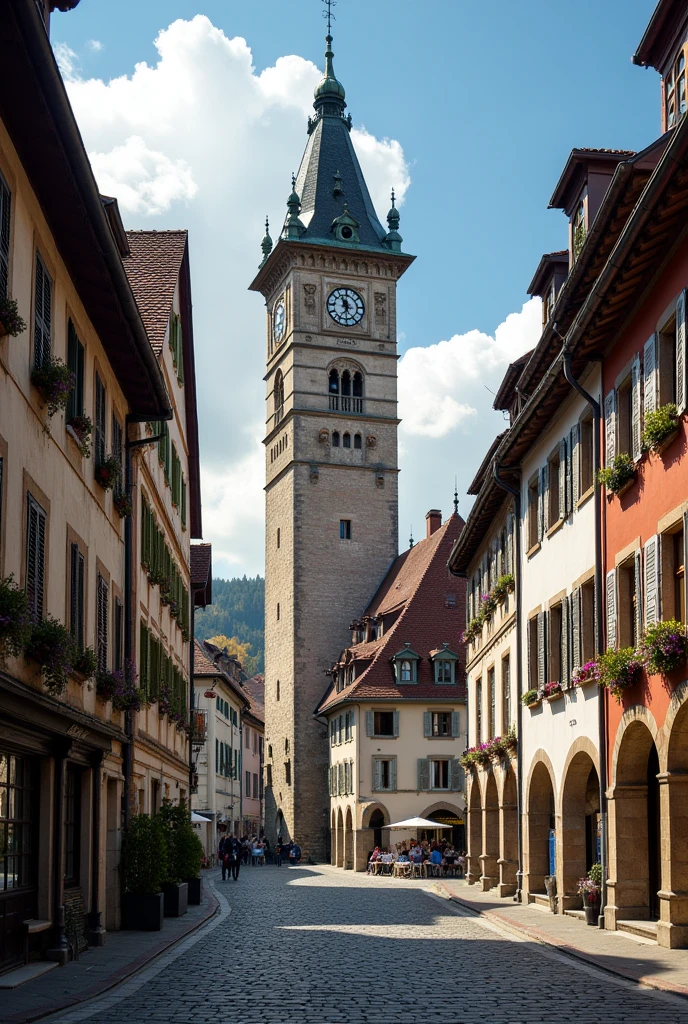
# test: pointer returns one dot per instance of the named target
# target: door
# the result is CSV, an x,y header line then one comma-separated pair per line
x,y
18,853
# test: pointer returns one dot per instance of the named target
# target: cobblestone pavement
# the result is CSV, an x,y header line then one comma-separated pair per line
x,y
320,946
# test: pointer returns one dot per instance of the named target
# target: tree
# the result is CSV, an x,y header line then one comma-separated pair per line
x,y
237,612
233,646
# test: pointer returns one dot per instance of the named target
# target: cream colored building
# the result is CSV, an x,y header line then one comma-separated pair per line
x,y
396,709
253,757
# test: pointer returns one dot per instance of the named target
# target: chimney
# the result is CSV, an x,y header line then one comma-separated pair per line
x,y
433,521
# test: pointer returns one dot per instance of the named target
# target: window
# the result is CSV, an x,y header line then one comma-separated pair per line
x,y
587,621
183,503
277,690
287,772
384,723
42,314
333,732
479,711
444,671
255,786
335,439
492,695
441,723
666,358
533,512
506,694
176,345
278,611
553,490
118,453
586,455
248,784
345,529
247,738
35,556
675,90
439,774
358,441
278,396
279,536
624,604
347,725
102,600
5,209
578,230
533,681
2,492
119,636
554,636
679,574
75,362
384,774
18,814
268,773
346,440
624,416
99,425
77,565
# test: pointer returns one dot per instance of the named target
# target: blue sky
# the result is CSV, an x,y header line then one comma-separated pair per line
x,y
486,100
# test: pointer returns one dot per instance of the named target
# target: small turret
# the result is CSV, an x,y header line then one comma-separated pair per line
x,y
266,244
393,239
294,227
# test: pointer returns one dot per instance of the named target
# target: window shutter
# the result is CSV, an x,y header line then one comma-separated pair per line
x,y
217,755
42,314
637,568
564,480
544,474
393,773
609,428
540,509
493,564
636,444
611,609
576,629
457,775
102,594
681,353
341,780
423,774
565,668
455,723
329,781
183,503
650,375
5,200
484,576
542,661
370,723
427,723
144,664
352,721
377,773
529,662
35,556
651,581
73,591
510,543
574,449
396,723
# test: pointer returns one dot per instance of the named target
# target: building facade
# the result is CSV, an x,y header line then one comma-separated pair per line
x,y
330,447
396,711
253,756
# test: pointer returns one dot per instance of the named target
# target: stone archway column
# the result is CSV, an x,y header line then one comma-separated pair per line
x,y
628,896
340,844
508,842
363,845
474,836
672,928
489,857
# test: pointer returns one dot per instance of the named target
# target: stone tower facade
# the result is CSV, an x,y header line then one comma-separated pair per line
x,y
330,447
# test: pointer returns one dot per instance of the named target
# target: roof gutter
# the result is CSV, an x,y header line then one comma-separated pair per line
x,y
57,102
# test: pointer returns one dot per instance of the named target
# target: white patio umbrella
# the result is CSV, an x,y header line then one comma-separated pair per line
x,y
199,818
417,823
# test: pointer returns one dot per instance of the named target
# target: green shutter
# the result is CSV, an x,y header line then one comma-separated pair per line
x,y
183,503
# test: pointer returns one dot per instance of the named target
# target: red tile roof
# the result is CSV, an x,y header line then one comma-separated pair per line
x,y
418,586
201,564
255,689
204,666
153,271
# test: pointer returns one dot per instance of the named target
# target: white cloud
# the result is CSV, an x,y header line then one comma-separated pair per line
x,y
201,140
441,386
94,45
67,60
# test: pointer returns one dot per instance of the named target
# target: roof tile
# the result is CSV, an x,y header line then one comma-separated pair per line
x,y
153,271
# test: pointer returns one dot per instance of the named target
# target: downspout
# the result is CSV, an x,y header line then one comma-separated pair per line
x,y
516,494
599,634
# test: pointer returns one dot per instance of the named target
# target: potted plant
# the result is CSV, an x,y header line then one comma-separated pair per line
x,y
472,631
15,619
503,586
660,428
143,868
552,691
54,380
511,741
85,663
618,670
664,647
189,852
107,472
52,646
488,605
530,698
588,673
127,695
590,888
81,428
122,504
174,818
106,685
618,477
498,748
10,322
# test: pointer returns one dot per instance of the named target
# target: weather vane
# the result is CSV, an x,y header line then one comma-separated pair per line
x,y
329,4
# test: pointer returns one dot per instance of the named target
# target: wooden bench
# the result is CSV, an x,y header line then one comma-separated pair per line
x,y
33,926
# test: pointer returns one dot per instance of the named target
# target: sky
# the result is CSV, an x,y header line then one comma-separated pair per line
x,y
194,115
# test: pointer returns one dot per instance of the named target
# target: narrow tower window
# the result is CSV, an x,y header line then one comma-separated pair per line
x,y
346,383
346,440
279,396
277,697
345,529
278,611
279,536
358,443
335,439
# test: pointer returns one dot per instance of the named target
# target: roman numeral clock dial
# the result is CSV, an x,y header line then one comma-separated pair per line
x,y
345,306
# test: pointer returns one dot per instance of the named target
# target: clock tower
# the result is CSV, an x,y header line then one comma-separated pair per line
x,y
331,469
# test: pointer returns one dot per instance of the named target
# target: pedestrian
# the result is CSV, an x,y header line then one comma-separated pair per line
x,y
461,861
294,854
232,858
278,852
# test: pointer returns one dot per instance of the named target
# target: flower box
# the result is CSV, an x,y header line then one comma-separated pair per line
x,y
551,697
534,704
80,429
667,442
11,324
626,487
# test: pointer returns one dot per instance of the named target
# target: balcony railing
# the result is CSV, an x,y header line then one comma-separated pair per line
x,y
344,403
199,730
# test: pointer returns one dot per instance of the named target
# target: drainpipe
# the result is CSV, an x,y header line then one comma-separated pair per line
x,y
599,634
128,760
516,494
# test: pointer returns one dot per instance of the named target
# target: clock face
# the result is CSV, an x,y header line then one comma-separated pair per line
x,y
345,306
278,321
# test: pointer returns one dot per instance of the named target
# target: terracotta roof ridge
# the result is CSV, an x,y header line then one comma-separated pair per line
x,y
157,231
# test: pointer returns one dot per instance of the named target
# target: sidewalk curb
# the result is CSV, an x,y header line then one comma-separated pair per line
x,y
132,968
502,920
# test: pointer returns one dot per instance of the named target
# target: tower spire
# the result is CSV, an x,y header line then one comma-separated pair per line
x,y
456,496
330,94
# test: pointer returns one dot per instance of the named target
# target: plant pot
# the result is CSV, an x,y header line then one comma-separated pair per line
x,y
143,913
195,891
626,487
669,440
554,696
592,913
535,704
176,899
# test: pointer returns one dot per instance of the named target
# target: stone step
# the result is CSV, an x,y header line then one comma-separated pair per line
x,y
540,899
643,929
578,914
27,972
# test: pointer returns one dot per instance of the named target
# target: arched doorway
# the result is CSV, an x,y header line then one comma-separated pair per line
x,y
333,840
673,927
580,826
490,855
475,832
541,823
636,858
281,827
348,841
508,846
376,823
340,839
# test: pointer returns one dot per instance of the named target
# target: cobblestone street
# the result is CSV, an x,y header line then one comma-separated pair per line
x,y
318,946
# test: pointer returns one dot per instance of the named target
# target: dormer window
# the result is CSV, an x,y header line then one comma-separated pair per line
x,y
444,664
550,299
406,665
676,90
578,230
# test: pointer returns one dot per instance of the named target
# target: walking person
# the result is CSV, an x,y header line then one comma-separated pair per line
x,y
278,852
232,858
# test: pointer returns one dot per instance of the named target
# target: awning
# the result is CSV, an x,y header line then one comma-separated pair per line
x,y
417,823
199,818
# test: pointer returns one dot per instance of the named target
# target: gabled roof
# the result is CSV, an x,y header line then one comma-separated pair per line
x,y
486,465
201,568
545,268
663,25
417,586
255,688
579,161
153,269
205,666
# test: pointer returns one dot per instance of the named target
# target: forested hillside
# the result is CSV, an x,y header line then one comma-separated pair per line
x,y
237,611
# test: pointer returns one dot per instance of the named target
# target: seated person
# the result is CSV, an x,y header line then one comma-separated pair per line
x,y
403,857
